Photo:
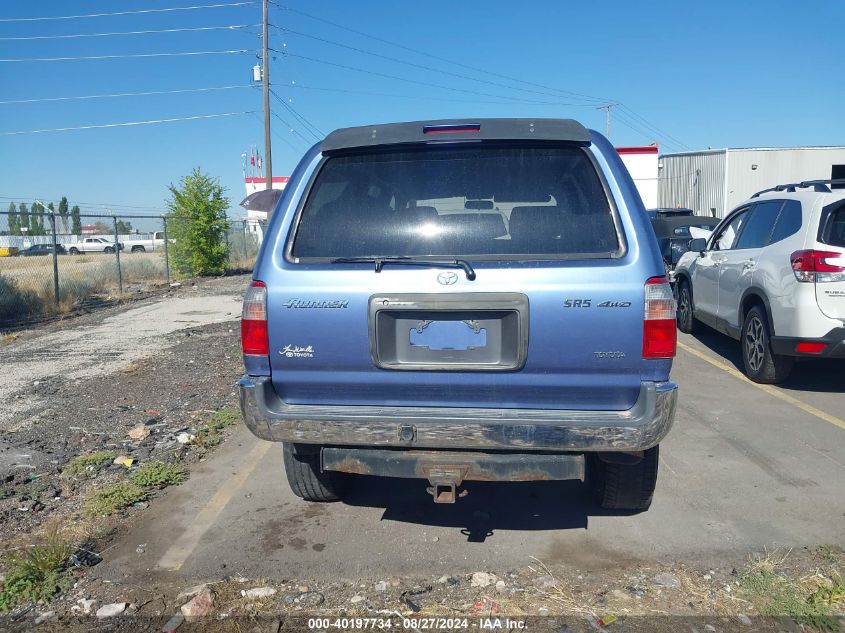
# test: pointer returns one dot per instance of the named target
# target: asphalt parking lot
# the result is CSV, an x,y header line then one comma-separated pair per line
x,y
745,468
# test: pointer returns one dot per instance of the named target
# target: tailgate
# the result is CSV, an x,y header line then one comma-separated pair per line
x,y
510,339
830,293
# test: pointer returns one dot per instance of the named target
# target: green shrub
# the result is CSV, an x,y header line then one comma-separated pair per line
x,y
88,464
39,573
197,224
114,498
158,474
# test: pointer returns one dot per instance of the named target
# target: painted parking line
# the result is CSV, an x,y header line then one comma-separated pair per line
x,y
772,391
184,546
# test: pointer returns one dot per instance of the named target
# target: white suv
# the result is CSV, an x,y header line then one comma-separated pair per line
x,y
772,275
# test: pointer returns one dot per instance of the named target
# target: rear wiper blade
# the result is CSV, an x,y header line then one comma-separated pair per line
x,y
408,261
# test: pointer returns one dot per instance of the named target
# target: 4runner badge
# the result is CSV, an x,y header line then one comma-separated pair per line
x,y
304,303
295,351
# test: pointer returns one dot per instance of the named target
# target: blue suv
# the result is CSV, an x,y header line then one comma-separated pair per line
x,y
462,300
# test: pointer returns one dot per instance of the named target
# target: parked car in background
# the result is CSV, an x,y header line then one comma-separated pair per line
x,y
42,249
141,246
674,235
93,245
667,212
391,329
772,276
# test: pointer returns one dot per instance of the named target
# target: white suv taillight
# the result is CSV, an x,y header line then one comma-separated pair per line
x,y
815,266
660,335
254,339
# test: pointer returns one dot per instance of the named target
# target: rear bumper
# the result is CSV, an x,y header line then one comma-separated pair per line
x,y
834,340
639,428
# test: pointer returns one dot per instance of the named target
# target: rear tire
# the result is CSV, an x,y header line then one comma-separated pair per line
x,y
624,486
74,251
307,480
686,321
761,364
138,249
108,250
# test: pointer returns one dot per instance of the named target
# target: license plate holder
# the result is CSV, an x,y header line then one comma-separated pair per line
x,y
456,332
448,334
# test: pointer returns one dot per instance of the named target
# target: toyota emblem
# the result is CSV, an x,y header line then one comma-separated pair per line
x,y
447,279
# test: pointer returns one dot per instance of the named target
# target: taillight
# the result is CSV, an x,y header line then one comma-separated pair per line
x,y
254,339
660,335
811,266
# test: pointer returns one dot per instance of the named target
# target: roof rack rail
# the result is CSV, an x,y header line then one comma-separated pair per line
x,y
820,186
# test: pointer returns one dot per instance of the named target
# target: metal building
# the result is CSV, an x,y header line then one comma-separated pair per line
x,y
713,182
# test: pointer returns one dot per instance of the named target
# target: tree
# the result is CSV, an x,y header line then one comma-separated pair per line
x,y
14,221
197,222
23,219
48,227
101,228
76,222
124,228
36,219
63,210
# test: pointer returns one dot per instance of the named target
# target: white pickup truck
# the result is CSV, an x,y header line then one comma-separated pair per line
x,y
142,246
93,245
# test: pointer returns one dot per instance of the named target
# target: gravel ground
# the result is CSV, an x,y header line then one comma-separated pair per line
x,y
81,385
626,600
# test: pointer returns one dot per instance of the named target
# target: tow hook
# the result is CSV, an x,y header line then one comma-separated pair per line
x,y
444,483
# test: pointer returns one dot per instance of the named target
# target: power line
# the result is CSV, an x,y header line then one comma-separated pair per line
x,y
232,27
437,57
127,124
309,127
123,94
623,118
125,56
654,127
411,64
115,205
413,81
583,96
508,100
137,12
292,129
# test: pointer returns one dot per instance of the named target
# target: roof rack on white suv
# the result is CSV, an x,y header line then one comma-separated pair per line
x,y
820,186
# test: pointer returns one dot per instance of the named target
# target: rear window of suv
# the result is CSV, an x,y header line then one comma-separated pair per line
x,y
833,229
470,202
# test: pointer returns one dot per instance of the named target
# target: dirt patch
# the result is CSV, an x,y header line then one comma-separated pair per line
x,y
169,394
169,378
544,598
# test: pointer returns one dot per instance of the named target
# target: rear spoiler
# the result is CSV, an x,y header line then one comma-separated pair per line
x,y
420,132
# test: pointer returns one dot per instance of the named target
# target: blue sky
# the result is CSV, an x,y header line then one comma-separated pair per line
x,y
710,74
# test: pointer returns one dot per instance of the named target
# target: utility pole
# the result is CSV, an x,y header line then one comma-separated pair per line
x,y
265,74
606,107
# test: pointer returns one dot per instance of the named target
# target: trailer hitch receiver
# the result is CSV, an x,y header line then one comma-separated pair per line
x,y
444,482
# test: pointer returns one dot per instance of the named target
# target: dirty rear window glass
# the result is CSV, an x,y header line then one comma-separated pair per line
x,y
467,202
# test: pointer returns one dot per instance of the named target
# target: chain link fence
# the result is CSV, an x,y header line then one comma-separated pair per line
x,y
47,268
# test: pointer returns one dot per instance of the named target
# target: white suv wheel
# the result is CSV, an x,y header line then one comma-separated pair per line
x,y
754,339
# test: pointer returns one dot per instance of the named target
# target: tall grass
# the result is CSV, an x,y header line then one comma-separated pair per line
x,y
27,292
17,302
